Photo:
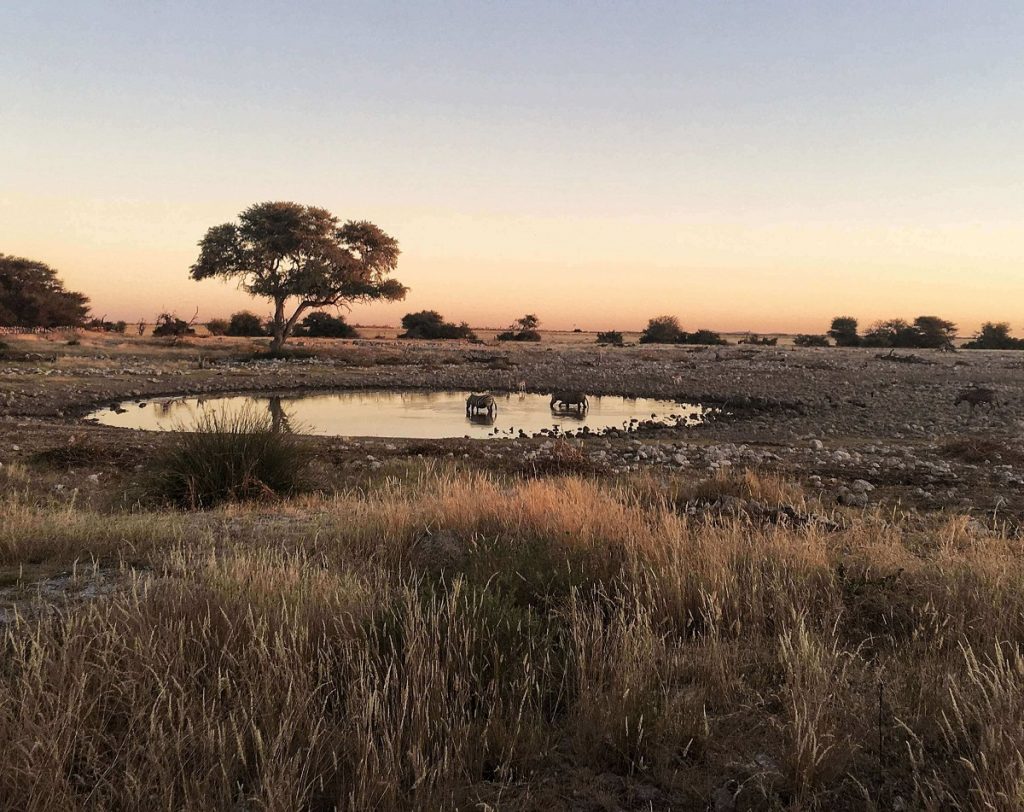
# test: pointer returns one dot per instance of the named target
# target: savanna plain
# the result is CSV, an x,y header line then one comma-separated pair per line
x,y
814,599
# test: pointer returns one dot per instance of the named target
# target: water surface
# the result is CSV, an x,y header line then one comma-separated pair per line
x,y
406,414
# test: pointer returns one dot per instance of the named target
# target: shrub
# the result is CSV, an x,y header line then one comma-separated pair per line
x,y
106,326
613,337
217,327
523,329
759,341
229,457
324,325
429,324
995,336
662,330
245,323
666,330
805,340
167,324
702,337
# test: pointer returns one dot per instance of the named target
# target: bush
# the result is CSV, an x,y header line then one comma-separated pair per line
x,y
523,329
245,324
167,324
324,325
217,327
229,457
805,340
662,330
995,336
613,337
703,337
429,324
666,330
759,341
106,326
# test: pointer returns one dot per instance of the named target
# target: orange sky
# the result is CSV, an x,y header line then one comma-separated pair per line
x,y
761,168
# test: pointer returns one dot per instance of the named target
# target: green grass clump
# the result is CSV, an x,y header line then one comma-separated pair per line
x,y
229,456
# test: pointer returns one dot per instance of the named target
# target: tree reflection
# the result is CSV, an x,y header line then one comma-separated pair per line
x,y
279,419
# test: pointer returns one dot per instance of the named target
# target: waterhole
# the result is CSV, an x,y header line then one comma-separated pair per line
x,y
408,414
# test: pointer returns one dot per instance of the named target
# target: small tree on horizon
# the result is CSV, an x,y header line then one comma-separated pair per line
x,y
522,329
933,332
844,331
288,252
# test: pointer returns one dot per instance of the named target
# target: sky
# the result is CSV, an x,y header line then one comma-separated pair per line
x,y
743,166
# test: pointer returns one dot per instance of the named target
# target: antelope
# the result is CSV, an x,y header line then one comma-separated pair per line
x,y
975,396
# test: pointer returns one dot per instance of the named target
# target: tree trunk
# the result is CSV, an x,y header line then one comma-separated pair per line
x,y
279,327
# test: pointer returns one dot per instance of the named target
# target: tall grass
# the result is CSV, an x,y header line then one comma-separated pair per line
x,y
229,456
580,644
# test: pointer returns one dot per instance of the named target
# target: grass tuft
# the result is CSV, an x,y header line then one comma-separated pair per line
x,y
229,457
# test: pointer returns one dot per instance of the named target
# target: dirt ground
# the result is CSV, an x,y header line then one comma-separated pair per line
x,y
855,424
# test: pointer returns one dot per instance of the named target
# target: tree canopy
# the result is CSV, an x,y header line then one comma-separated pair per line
x,y
290,253
31,295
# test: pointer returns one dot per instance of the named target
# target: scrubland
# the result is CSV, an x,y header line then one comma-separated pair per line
x,y
449,639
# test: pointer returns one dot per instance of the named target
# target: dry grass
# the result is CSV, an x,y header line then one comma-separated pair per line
x,y
446,641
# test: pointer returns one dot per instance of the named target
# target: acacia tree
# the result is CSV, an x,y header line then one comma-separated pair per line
x,y
297,254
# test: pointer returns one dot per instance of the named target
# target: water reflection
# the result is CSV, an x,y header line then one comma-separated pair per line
x,y
410,413
278,416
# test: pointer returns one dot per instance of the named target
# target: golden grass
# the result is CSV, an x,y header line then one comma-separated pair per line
x,y
451,640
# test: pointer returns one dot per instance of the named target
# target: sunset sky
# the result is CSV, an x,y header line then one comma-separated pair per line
x,y
742,165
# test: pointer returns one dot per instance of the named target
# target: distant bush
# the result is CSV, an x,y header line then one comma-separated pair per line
x,y
805,340
703,337
106,326
245,324
666,330
759,341
613,337
662,330
167,324
217,327
523,329
429,324
324,325
229,457
995,336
